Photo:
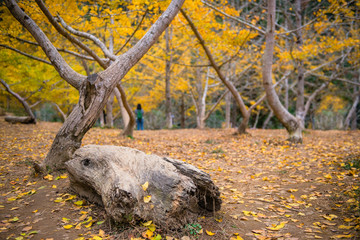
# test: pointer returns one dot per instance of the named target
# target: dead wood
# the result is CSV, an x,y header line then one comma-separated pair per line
x,y
24,120
113,177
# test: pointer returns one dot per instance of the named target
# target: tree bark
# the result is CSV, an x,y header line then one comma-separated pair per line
x,y
31,118
95,89
291,123
116,178
124,114
129,128
167,79
228,110
109,111
352,111
300,101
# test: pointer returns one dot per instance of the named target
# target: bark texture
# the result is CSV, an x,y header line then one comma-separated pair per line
x,y
292,124
113,177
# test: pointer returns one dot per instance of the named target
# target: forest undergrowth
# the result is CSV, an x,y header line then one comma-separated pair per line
x,y
270,188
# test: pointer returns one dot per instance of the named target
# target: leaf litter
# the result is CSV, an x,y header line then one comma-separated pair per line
x,y
270,188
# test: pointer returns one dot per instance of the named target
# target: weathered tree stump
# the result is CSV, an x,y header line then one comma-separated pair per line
x,y
24,120
113,177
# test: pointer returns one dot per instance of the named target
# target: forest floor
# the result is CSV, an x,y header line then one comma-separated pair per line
x,y
270,189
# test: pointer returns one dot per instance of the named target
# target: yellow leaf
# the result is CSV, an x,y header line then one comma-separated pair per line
x,y
49,177
328,176
218,220
330,217
79,203
68,226
147,223
35,211
345,227
78,226
97,238
65,220
342,236
145,186
147,199
209,233
53,186
277,227
293,190
88,225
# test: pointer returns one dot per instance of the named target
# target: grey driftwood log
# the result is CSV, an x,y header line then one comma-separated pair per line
x,y
113,176
24,120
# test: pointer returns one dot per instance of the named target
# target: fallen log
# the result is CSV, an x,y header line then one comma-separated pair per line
x,y
16,119
132,185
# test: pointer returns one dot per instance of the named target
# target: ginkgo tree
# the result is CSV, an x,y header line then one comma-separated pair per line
x,y
95,89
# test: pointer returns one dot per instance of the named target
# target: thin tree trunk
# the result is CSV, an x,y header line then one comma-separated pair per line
x,y
267,120
129,129
352,111
109,112
292,124
102,119
167,79
124,114
26,106
300,102
182,111
242,127
228,110
63,115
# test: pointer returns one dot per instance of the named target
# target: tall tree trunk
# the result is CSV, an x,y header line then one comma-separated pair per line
x,y
109,111
167,79
300,102
292,124
182,111
352,112
267,120
228,110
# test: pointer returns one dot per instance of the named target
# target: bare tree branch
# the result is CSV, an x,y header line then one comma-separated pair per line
x,y
233,18
65,71
89,36
132,35
67,35
26,54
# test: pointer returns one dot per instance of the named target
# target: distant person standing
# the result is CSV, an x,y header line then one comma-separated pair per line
x,y
139,112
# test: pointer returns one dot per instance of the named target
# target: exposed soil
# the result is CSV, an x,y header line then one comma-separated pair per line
x,y
270,189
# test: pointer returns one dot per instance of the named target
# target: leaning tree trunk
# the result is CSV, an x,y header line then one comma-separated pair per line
x,y
13,119
129,128
292,124
133,186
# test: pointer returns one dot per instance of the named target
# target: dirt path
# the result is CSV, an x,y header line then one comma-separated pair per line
x,y
270,190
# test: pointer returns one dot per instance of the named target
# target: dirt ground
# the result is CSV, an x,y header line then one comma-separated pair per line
x,y
270,189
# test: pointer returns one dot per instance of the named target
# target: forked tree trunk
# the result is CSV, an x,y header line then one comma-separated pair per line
x,y
95,89
292,124
133,186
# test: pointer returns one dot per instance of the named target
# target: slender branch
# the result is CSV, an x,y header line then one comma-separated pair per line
x,y
89,36
227,83
65,71
67,35
26,54
132,35
215,105
63,115
35,104
234,18
59,49
19,98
